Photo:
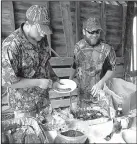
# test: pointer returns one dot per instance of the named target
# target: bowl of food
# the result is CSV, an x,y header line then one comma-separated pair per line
x,y
64,86
70,136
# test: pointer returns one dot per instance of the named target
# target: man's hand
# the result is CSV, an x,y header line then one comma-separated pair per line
x,y
109,74
95,89
59,84
45,83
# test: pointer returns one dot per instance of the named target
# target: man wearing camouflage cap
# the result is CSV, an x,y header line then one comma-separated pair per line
x,y
94,62
26,71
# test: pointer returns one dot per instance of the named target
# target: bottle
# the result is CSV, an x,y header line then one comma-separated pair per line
x,y
112,112
119,110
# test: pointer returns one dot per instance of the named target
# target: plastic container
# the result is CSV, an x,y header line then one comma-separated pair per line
x,y
70,136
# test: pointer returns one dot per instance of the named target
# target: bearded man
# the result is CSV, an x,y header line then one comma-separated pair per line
x,y
94,64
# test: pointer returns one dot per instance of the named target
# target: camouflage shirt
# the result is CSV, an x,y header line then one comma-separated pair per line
x,y
88,62
22,59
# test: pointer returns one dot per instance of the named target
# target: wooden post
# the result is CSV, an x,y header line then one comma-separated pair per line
x,y
12,15
124,8
103,18
67,25
48,36
77,21
128,38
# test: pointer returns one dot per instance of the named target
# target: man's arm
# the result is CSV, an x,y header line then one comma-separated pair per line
x,y
108,75
108,72
28,83
53,76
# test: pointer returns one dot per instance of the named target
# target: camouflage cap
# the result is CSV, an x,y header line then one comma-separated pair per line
x,y
40,16
92,24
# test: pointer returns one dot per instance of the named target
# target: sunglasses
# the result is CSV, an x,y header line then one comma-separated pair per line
x,y
93,32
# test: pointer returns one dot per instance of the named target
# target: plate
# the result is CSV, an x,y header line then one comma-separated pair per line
x,y
64,84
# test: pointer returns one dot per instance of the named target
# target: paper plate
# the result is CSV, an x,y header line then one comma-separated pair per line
x,y
66,86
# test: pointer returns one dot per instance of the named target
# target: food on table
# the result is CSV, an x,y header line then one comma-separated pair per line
x,y
72,133
63,90
86,114
70,136
64,85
